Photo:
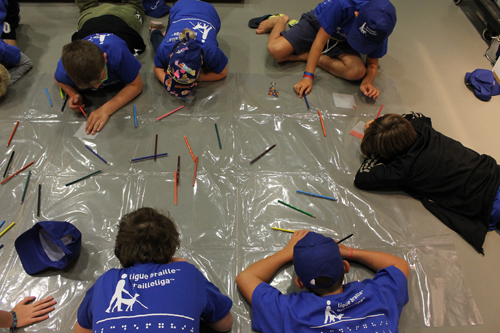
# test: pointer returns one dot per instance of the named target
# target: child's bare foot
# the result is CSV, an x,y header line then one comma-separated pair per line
x,y
268,25
294,57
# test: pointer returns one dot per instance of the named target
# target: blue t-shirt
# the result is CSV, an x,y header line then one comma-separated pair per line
x,y
9,55
3,11
122,66
152,298
202,18
373,305
337,18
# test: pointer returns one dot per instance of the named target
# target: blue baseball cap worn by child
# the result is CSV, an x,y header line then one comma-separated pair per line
x,y
317,256
374,24
184,68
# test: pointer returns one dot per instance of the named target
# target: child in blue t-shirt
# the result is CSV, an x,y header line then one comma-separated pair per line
x,y
13,63
154,291
320,264
189,52
332,37
102,54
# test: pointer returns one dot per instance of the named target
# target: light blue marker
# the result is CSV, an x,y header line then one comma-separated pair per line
x,y
135,117
316,195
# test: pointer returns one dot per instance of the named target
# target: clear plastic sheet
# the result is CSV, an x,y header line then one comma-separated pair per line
x,y
225,218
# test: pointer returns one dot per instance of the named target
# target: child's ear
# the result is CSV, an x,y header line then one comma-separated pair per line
x,y
105,58
299,283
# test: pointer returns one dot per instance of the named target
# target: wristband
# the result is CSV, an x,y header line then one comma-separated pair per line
x,y
307,77
351,253
14,322
309,74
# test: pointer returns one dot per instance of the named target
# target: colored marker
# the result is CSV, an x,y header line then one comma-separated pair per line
x,y
48,96
156,145
168,114
218,138
15,173
61,92
322,124
135,117
39,199
25,187
379,111
146,157
8,164
195,169
1,224
7,229
87,176
176,181
264,153
96,154
285,230
300,210
14,131
178,169
317,195
305,99
189,147
343,239
64,104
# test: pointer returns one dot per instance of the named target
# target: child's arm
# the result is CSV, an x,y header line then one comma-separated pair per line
x,y
366,85
212,76
99,117
160,74
305,85
263,270
73,103
379,174
20,69
28,313
79,329
224,324
375,260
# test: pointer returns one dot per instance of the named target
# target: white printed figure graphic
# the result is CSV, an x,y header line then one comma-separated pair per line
x,y
117,296
330,315
203,28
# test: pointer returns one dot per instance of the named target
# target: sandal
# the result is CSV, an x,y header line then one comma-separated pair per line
x,y
254,23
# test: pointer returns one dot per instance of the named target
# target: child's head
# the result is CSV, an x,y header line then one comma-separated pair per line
x,y
318,263
144,236
184,66
388,136
84,62
4,80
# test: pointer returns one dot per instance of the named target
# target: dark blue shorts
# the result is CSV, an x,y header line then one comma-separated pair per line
x,y
11,20
302,36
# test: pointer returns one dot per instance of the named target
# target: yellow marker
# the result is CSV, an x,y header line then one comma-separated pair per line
x,y
279,229
7,229
62,93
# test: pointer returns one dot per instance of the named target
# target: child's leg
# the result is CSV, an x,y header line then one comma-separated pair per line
x,y
156,38
277,46
10,23
131,12
86,4
343,61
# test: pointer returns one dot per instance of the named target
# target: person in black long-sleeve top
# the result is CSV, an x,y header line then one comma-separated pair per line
x,y
456,184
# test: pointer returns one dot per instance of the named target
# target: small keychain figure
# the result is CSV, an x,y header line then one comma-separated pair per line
x,y
273,91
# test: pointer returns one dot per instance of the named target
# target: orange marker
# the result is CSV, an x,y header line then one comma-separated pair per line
x,y
195,168
15,173
78,104
322,125
14,131
378,115
192,155
175,188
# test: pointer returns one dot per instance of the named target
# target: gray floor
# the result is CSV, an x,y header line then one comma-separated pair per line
x,y
434,44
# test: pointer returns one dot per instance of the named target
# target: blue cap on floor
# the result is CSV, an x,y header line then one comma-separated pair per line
x,y
155,8
317,256
48,244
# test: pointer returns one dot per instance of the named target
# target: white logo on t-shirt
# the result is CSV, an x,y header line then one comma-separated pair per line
x,y
117,296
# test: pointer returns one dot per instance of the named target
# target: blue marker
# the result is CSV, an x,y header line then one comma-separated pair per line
x,y
48,96
135,117
305,98
316,195
1,224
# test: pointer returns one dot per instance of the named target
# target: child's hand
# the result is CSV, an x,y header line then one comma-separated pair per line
x,y
96,121
369,90
345,251
297,235
74,103
32,313
303,87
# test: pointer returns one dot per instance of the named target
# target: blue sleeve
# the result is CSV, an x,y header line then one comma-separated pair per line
x,y
3,10
9,55
267,308
216,60
217,306
394,281
329,14
61,76
127,66
84,315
